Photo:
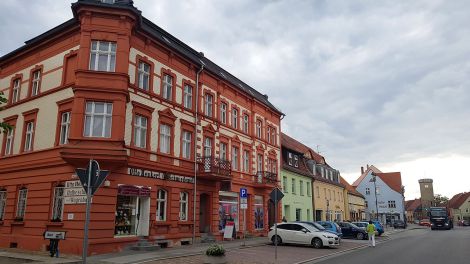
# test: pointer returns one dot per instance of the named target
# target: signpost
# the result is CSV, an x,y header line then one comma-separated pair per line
x,y
276,195
91,179
54,237
244,206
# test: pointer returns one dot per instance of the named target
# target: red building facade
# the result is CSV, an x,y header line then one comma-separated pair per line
x,y
176,132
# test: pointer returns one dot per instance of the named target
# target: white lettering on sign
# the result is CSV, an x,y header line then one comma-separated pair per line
x,y
75,200
54,235
159,175
68,192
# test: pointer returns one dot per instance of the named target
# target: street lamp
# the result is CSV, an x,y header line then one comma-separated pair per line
x,y
327,210
374,179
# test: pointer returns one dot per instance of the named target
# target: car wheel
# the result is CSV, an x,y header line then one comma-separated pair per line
x,y
360,236
278,238
317,243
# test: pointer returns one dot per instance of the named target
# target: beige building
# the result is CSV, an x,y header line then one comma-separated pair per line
x,y
460,206
329,200
354,203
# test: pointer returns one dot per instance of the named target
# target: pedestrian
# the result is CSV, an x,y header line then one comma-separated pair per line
x,y
371,233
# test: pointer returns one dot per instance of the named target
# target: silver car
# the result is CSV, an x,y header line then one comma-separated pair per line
x,y
300,233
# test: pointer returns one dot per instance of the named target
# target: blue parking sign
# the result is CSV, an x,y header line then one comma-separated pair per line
x,y
243,193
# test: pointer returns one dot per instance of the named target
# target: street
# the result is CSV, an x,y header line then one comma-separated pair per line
x,y
414,246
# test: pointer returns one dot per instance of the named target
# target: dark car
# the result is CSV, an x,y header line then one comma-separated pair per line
x,y
399,224
466,223
322,228
352,231
331,226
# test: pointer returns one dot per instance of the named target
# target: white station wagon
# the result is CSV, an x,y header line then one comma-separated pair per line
x,y
300,233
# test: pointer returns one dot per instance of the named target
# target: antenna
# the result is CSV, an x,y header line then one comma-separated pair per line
x,y
318,149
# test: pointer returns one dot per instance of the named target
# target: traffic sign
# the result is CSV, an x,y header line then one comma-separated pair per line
x,y
276,195
243,193
243,206
97,176
243,200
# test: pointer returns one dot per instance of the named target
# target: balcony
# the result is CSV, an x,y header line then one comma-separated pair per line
x,y
213,168
266,178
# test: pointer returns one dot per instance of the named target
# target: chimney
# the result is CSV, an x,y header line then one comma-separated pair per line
x,y
362,170
367,166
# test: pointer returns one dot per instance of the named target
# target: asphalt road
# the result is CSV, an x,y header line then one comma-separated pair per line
x,y
414,246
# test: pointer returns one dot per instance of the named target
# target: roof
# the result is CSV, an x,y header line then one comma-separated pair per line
x,y
292,144
392,179
363,175
457,200
159,34
412,205
351,190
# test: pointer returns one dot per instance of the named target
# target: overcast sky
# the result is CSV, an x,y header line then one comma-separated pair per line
x,y
369,82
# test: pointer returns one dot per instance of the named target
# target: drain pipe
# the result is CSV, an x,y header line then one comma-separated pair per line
x,y
195,149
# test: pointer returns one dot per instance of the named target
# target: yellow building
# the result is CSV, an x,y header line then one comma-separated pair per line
x,y
329,198
354,202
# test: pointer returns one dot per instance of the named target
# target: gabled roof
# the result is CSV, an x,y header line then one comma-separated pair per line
x,y
292,144
412,205
392,179
157,33
363,175
351,190
457,200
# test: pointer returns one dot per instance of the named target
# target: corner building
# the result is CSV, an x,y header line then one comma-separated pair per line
x,y
174,129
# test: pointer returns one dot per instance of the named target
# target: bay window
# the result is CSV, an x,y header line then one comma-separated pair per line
x,y
98,119
103,56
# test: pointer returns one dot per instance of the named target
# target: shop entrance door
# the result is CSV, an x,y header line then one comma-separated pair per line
x,y
271,212
204,214
143,216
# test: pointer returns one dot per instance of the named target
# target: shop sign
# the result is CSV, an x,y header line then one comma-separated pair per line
x,y
54,235
130,190
159,175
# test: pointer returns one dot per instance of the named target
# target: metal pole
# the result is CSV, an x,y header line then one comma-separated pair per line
x,y
376,206
244,227
87,214
275,225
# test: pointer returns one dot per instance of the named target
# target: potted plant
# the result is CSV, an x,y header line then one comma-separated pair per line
x,y
215,254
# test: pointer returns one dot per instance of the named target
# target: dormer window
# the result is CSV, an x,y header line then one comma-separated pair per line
x,y
107,1
289,159
296,161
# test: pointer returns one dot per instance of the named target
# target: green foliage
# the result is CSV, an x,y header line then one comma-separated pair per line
x,y
441,200
3,126
215,250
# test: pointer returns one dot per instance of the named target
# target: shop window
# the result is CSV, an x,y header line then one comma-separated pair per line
x,y
223,151
235,118
161,205
140,131
184,206
188,96
223,113
235,161
126,216
228,210
29,136
21,205
103,56
98,119
15,95
259,212
3,202
165,138
143,76
186,142
208,105
167,90
58,205
64,128
36,83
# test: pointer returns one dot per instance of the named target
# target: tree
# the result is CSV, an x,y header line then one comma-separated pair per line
x,y
4,127
440,200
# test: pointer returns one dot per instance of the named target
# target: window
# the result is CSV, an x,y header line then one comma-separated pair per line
x,y
103,56
208,103
246,161
259,212
108,1
426,186
98,119
309,193
165,138
234,118
207,147
246,126
167,87
140,131
298,214
186,144
3,202
367,191
188,96
223,113
29,136
36,83
58,209
324,191
259,129
21,206
235,158
366,204
144,76
272,165
269,134
377,190
329,194
260,162
301,183
64,128
318,191
296,161
391,204
161,205
9,141
289,159
284,184
334,196
223,151
184,206
293,186
16,90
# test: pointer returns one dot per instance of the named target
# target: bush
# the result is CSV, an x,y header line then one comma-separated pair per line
x,y
215,250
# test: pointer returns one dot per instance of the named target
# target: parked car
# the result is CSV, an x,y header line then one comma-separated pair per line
x,y
399,224
352,230
331,226
424,222
466,223
300,233
379,227
321,228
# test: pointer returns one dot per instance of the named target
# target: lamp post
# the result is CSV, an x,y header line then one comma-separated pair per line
x,y
374,179
327,210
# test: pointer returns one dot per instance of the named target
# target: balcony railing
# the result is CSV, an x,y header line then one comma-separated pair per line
x,y
214,166
266,177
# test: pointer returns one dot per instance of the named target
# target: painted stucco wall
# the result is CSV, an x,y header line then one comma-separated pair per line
x,y
293,201
334,195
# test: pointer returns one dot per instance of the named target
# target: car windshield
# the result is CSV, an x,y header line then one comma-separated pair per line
x,y
353,225
438,213
318,226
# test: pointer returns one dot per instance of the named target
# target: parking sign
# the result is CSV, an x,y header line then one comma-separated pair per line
x,y
243,193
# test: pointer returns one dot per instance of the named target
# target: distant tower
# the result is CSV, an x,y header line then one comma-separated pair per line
x,y
427,192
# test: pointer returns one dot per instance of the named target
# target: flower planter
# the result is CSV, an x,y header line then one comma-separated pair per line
x,y
215,260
